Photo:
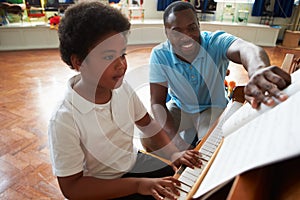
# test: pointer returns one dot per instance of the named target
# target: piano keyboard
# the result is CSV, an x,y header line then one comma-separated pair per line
x,y
191,178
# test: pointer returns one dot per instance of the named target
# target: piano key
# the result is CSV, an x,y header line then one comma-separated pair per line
x,y
203,162
196,171
189,176
213,145
184,187
213,141
182,195
205,157
216,138
208,149
205,152
212,138
186,181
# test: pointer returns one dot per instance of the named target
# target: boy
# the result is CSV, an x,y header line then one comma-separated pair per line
x,y
91,133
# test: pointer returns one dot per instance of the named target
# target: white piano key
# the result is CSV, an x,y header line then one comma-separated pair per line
x,y
205,152
184,187
196,171
190,176
214,141
213,145
205,157
182,195
209,147
186,181
204,163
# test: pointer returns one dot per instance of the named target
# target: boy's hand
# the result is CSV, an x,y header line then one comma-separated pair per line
x,y
189,158
159,188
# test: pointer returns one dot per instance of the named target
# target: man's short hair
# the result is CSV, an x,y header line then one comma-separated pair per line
x,y
177,6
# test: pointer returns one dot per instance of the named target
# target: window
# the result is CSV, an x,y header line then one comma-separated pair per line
x,y
235,1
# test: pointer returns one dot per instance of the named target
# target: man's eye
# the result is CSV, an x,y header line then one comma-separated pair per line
x,y
193,28
176,33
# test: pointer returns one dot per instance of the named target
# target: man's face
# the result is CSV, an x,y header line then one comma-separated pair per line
x,y
182,30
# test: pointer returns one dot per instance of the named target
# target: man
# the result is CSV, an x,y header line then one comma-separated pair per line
x,y
190,68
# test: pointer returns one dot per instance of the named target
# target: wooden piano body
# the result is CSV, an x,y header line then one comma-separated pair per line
x,y
279,181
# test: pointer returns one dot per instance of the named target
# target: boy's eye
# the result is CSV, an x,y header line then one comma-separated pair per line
x,y
112,57
108,57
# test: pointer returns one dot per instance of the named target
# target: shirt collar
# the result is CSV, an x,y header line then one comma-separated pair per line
x,y
81,104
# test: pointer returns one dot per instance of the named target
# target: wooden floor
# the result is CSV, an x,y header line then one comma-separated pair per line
x,y
31,84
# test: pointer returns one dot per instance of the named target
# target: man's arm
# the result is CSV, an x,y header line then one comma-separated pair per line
x,y
162,115
158,93
266,81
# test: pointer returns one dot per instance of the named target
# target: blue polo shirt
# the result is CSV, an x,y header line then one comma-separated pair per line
x,y
197,86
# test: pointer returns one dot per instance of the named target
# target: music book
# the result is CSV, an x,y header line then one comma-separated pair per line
x,y
255,138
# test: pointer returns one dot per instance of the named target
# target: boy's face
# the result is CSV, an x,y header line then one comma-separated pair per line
x,y
182,30
106,64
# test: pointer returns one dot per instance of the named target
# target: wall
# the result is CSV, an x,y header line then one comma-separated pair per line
x,y
152,13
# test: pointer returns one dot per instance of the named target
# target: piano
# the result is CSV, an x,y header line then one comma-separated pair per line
x,y
191,178
266,182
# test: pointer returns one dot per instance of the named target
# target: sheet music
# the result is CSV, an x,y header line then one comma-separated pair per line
x,y
247,113
270,137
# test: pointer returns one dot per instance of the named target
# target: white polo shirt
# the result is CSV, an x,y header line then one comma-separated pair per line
x,y
96,139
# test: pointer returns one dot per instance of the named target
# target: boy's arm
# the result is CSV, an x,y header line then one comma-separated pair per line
x,y
78,186
157,141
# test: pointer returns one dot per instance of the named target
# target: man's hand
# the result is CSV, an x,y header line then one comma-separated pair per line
x,y
265,84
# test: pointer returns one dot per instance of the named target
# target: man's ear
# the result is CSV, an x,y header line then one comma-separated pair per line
x,y
76,62
166,31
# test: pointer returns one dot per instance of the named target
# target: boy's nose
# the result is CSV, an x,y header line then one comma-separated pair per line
x,y
121,63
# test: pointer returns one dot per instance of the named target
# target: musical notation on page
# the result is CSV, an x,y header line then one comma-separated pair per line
x,y
246,113
271,136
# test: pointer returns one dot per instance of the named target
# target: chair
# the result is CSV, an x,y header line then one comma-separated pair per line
x,y
11,12
35,10
52,5
290,64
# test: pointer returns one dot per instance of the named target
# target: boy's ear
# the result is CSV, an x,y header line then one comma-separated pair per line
x,y
76,63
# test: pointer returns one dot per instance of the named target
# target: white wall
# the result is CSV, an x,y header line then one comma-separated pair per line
x,y
151,10
152,13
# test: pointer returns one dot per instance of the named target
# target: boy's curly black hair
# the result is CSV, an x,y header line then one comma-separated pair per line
x,y
83,26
